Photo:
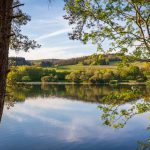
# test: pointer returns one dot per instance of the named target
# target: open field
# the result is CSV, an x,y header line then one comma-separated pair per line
x,y
81,67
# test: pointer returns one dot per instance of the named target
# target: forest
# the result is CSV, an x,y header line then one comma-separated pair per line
x,y
97,76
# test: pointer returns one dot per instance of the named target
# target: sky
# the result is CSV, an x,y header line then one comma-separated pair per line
x,y
50,30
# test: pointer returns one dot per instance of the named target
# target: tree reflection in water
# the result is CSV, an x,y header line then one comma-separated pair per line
x,y
1,109
116,116
144,145
117,104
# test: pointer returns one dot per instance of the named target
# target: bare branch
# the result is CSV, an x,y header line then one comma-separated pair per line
x,y
17,6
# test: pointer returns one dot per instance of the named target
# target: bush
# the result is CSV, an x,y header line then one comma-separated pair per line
x,y
26,79
46,79
37,74
61,75
50,78
13,77
125,81
113,82
140,80
148,82
96,78
107,76
74,77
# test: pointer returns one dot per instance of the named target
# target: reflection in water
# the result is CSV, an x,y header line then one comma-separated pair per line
x,y
116,116
60,109
1,109
90,93
144,145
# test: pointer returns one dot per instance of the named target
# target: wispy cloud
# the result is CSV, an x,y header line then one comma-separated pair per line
x,y
68,50
58,20
52,34
50,29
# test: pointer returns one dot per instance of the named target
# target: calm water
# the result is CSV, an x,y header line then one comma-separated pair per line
x,y
67,117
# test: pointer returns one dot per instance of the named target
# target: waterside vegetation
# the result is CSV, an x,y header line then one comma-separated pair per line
x,y
95,75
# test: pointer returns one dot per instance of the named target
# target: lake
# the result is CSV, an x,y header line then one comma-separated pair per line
x,y
76,117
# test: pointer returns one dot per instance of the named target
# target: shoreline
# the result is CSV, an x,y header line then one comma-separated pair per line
x,y
73,83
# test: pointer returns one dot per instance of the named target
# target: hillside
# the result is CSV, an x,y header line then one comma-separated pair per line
x,y
94,59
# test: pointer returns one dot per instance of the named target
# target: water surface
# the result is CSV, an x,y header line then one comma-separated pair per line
x,y
67,117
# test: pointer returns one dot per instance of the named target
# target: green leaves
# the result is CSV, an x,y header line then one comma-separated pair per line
x,y
116,21
116,116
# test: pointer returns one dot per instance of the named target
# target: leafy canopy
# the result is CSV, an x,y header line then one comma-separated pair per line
x,y
123,23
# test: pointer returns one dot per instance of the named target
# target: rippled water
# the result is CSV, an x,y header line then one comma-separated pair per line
x,y
67,117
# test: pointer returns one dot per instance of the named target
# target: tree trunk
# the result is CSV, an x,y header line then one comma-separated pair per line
x,y
5,31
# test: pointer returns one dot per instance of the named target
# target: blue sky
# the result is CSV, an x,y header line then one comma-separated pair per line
x,y
51,31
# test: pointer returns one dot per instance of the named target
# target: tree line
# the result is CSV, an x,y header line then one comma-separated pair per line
x,y
95,59
95,76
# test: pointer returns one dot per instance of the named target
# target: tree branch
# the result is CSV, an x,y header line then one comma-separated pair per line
x,y
17,6
17,16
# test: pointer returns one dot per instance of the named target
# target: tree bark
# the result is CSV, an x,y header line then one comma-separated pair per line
x,y
5,30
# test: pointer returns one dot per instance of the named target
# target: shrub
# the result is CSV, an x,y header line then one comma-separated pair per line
x,y
61,75
46,79
13,77
50,78
140,80
107,76
26,79
148,82
96,78
113,82
74,77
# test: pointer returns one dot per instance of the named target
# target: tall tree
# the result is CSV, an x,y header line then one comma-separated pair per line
x,y
124,24
11,20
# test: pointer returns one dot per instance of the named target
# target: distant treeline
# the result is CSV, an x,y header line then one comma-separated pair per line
x,y
94,59
18,61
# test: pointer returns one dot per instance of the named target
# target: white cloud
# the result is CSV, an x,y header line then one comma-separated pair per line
x,y
44,52
52,34
69,50
58,20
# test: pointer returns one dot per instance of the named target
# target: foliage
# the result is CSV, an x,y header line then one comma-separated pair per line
x,y
50,78
46,64
13,77
99,59
36,74
124,24
26,79
18,61
74,77
114,115
106,75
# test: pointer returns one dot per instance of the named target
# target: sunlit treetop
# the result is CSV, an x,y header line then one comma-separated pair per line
x,y
123,23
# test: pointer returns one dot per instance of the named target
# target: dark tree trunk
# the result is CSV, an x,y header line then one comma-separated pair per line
x,y
5,31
